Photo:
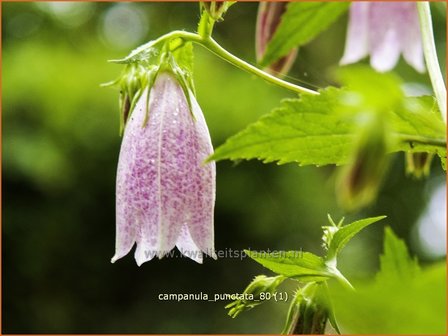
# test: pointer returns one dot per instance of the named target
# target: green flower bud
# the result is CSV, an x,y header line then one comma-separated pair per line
x,y
359,181
216,9
418,164
252,294
308,312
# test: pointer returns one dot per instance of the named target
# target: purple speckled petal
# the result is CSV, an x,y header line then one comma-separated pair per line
x,y
357,41
204,187
160,174
187,247
385,43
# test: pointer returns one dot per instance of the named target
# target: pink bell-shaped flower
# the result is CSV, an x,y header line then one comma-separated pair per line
x,y
165,193
384,30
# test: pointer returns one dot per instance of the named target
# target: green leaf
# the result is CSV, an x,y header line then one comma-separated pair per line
x,y
402,300
419,118
397,307
301,130
317,130
301,22
396,263
343,235
304,266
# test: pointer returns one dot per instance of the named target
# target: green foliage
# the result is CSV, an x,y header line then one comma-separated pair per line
x,y
304,266
300,130
322,129
254,294
309,311
183,55
301,23
343,235
396,264
402,299
368,89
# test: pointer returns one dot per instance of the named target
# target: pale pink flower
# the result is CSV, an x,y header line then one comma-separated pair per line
x,y
384,30
165,193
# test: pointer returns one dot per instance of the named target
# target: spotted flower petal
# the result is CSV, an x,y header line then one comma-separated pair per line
x,y
165,193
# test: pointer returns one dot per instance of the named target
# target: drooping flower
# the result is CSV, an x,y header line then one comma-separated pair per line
x,y
268,20
384,30
165,193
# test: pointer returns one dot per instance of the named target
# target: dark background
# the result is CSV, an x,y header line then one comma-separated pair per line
x,y
60,149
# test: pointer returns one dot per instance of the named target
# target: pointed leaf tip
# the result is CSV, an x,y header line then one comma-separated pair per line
x,y
343,235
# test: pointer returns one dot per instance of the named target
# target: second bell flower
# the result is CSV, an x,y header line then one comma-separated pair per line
x,y
384,30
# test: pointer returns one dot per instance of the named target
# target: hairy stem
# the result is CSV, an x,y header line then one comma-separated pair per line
x,y
432,62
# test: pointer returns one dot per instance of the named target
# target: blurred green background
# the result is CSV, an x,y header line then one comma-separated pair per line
x,y
60,149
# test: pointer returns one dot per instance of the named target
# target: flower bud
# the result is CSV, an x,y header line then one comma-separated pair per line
x,y
216,9
418,164
359,181
268,20
251,295
308,313
165,194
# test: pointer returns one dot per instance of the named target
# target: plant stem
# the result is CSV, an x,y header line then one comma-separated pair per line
x,y
342,279
214,47
432,62
206,23
210,44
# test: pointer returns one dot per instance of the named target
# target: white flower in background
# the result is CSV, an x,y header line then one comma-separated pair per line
x,y
384,30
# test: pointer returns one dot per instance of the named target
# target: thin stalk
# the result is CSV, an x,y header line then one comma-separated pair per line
x,y
208,43
214,47
432,62
342,279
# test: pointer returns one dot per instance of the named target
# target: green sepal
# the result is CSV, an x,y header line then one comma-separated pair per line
x,y
143,65
260,284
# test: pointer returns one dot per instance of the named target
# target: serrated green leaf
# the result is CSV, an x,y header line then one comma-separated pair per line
x,y
419,117
301,22
304,266
311,130
342,236
301,130
396,263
